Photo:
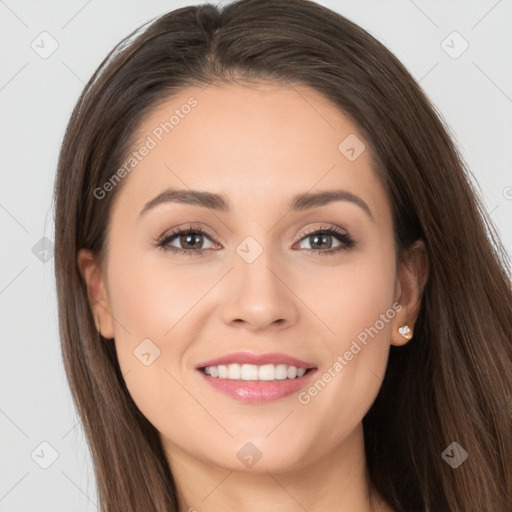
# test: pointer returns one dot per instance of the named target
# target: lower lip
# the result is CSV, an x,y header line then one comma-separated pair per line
x,y
258,391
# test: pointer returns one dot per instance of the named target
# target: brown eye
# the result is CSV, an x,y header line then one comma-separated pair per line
x,y
190,241
321,241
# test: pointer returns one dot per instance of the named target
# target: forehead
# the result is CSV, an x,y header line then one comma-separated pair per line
x,y
254,143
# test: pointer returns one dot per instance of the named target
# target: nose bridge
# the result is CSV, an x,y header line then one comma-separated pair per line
x,y
257,293
254,269
259,271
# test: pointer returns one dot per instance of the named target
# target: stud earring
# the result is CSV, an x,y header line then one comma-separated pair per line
x,y
405,331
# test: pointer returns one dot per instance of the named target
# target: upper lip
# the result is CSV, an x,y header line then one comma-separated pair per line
x,y
256,359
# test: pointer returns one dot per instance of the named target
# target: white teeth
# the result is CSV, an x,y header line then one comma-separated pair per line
x,y
267,372
234,371
281,372
253,372
223,371
249,372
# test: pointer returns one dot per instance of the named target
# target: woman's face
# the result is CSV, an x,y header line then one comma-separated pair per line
x,y
265,284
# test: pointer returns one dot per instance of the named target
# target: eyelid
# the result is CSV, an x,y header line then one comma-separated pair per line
x,y
324,227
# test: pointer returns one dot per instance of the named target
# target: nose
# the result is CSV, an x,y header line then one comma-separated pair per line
x,y
259,295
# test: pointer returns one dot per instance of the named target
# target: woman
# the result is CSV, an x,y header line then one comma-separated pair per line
x,y
219,356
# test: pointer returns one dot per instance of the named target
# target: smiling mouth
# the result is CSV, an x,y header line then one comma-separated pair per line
x,y
252,372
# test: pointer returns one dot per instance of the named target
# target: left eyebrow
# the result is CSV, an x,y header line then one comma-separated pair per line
x,y
220,202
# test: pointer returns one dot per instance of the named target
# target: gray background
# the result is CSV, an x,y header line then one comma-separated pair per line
x,y
473,92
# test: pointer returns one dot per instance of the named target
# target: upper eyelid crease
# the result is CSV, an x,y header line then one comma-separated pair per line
x,y
220,203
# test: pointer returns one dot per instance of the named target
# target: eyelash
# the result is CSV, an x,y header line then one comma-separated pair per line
x,y
162,243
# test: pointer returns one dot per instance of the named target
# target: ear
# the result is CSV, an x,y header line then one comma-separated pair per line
x,y
411,279
96,291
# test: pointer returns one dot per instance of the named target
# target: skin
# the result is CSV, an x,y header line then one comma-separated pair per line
x,y
258,145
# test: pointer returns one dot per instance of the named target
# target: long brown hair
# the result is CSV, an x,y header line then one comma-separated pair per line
x,y
451,383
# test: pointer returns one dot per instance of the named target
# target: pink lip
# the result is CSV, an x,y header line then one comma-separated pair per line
x,y
257,359
258,391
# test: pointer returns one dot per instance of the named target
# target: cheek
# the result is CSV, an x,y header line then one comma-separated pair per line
x,y
366,296
351,297
359,310
149,297
366,324
156,308
152,306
